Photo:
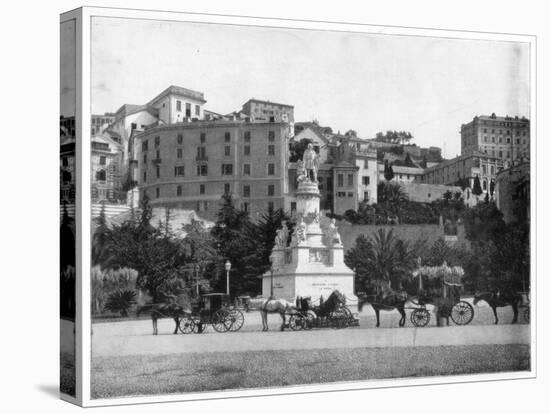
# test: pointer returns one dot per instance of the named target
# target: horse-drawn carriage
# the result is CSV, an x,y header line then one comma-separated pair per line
x,y
332,313
212,309
440,287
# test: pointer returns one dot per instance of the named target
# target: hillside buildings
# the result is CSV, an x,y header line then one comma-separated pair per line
x,y
505,138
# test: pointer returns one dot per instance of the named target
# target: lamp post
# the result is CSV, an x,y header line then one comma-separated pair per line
x,y
271,281
227,269
197,277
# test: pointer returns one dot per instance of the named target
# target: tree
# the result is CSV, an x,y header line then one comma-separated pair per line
x,y
100,238
391,198
351,133
231,241
388,171
477,191
381,257
297,149
262,239
492,187
408,161
394,137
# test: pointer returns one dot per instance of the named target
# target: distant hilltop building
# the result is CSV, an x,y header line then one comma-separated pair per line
x,y
506,138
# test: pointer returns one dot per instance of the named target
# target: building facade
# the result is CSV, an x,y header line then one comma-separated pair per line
x,y
106,170
191,165
465,167
266,111
512,188
506,138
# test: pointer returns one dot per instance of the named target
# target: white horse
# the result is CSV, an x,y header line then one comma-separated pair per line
x,y
265,306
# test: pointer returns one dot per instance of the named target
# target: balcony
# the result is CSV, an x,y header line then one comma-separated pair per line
x,y
156,161
201,158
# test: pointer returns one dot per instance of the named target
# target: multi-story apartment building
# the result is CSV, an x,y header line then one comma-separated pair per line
x,y
267,111
106,169
505,138
68,169
190,165
99,123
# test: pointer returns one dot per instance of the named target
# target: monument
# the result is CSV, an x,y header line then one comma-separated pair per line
x,y
310,261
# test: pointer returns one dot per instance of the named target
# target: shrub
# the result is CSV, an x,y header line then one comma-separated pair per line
x,y
121,301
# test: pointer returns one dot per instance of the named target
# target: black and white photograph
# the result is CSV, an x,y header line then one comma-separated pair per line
x,y
281,206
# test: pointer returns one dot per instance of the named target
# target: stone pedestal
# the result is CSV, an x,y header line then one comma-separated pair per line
x,y
313,264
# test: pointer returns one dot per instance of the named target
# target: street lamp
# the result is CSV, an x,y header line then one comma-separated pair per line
x,y
227,269
197,277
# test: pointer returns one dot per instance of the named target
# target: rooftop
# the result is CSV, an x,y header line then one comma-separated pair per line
x,y
178,90
267,102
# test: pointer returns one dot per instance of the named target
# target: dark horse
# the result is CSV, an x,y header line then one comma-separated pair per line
x,y
385,302
164,310
500,300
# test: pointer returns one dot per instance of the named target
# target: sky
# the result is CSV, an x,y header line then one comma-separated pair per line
x,y
365,82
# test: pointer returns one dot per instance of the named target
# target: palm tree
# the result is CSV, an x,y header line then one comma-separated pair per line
x,y
389,258
392,196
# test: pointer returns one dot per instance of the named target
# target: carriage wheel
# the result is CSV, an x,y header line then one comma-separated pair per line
x,y
462,313
219,321
297,322
234,320
186,325
527,314
420,317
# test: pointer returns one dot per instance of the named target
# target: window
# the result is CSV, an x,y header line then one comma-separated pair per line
x,y
270,206
179,171
350,194
341,194
270,190
485,138
500,140
271,150
524,141
508,140
227,150
485,130
340,180
157,191
145,158
493,139
157,141
202,205
158,171
228,137
227,169
246,191
484,167
246,207
246,136
202,189
366,196
246,169
101,175
484,185
270,169
246,150
202,170
197,110
187,110
178,191
203,137
145,145
180,139
507,154
227,188
157,153
201,153
178,105
180,153
293,206
144,176
271,136
500,154
492,170
366,166
350,180
517,141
